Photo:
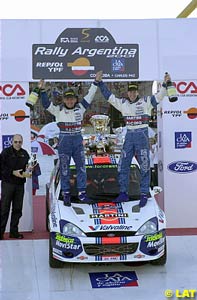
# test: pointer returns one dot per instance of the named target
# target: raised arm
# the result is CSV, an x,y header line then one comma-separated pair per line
x,y
107,94
46,103
44,97
87,100
163,91
99,82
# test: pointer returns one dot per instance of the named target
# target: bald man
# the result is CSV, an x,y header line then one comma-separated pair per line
x,y
14,160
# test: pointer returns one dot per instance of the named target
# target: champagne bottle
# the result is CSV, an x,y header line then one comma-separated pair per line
x,y
33,97
171,91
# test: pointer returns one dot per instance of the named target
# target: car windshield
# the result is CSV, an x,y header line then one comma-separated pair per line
x,y
102,183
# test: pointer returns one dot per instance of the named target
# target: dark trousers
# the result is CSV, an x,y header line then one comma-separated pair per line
x,y
11,194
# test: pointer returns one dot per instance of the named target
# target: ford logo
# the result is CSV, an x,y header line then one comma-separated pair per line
x,y
182,166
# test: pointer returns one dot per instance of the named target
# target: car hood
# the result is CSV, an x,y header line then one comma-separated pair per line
x,y
125,216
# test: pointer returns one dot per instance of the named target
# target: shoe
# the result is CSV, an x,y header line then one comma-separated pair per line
x,y
16,235
143,200
84,198
66,199
123,197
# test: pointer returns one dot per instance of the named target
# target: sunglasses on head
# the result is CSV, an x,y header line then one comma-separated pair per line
x,y
17,142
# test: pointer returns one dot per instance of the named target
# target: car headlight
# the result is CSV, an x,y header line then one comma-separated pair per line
x,y
70,229
149,227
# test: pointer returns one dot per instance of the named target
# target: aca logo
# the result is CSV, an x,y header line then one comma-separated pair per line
x,y
183,140
7,141
8,90
186,88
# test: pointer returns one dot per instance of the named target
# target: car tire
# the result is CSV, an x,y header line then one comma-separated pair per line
x,y
162,260
54,263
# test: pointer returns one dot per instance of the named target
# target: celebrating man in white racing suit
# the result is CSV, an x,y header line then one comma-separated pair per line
x,y
136,112
69,116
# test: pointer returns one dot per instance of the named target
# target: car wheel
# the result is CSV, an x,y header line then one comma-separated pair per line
x,y
54,263
162,260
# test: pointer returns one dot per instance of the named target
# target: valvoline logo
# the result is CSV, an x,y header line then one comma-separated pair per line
x,y
182,167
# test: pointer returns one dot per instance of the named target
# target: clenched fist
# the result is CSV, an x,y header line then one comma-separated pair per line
x,y
99,76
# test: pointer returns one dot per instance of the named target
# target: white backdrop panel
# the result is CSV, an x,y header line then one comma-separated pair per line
x,y
165,45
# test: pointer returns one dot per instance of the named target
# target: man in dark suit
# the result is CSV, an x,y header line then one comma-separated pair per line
x,y
14,160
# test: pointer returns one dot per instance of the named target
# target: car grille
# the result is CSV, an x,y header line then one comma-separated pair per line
x,y
110,233
110,249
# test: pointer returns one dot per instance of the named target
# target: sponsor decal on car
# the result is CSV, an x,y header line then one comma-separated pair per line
x,y
108,216
53,216
110,227
67,246
151,244
139,256
57,251
104,214
161,216
70,246
155,237
64,239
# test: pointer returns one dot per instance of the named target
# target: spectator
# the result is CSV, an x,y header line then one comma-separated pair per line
x,y
36,172
13,163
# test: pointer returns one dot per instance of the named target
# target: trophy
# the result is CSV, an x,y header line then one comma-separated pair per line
x,y
32,162
99,123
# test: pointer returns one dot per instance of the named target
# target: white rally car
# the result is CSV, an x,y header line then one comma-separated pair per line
x,y
104,231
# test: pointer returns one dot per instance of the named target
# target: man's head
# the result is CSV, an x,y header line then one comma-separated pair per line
x,y
132,91
17,141
69,98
